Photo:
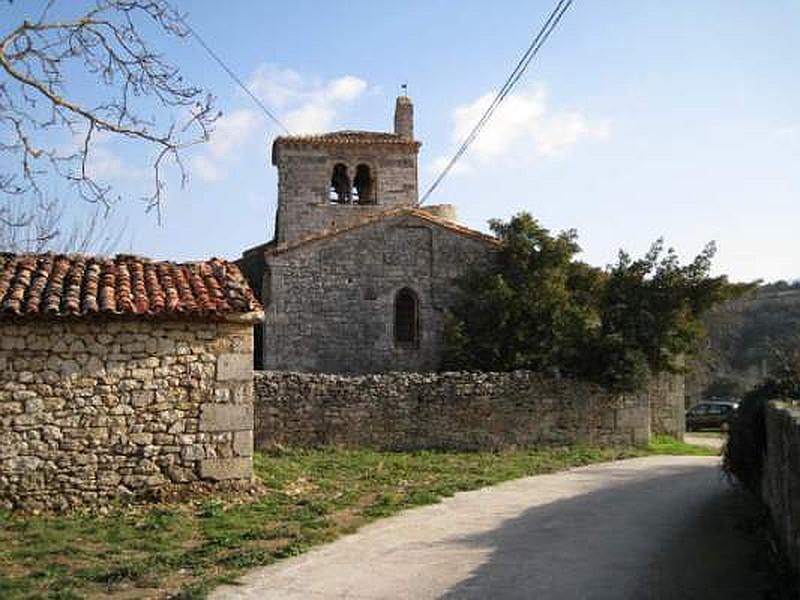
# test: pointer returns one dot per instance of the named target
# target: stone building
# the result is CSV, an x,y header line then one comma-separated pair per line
x,y
358,277
120,376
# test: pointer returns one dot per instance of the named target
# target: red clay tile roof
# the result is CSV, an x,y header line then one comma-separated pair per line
x,y
83,286
419,213
346,137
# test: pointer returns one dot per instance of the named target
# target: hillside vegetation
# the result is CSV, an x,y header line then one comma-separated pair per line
x,y
749,339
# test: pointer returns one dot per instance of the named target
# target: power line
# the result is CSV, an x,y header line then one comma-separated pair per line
x,y
533,49
228,70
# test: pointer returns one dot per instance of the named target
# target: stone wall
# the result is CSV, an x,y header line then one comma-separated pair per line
x,y
780,484
304,180
667,412
462,411
329,305
95,410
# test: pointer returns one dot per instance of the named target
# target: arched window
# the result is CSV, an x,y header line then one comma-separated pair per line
x,y
364,185
340,191
406,318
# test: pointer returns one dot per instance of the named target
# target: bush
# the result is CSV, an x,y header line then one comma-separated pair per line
x,y
539,308
747,439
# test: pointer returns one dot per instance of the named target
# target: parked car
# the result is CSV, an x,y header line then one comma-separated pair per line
x,y
715,414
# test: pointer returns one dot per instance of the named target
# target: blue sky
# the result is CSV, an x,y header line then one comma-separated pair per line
x,y
639,119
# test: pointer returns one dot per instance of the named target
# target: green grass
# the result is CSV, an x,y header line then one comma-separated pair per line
x,y
311,497
664,444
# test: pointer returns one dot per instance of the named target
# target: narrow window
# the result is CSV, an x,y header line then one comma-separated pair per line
x,y
340,191
364,185
258,346
406,318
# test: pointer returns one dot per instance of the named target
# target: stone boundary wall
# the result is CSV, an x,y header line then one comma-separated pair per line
x,y
92,411
780,484
666,394
456,411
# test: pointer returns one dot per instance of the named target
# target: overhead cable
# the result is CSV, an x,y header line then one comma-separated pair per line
x,y
533,49
228,70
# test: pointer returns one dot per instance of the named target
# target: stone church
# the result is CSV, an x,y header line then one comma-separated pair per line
x,y
358,276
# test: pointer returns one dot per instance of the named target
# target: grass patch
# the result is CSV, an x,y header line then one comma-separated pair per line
x,y
313,496
665,444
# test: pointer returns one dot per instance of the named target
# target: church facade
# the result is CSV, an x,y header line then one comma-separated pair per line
x,y
358,277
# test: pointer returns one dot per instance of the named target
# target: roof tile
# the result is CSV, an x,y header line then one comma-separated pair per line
x,y
346,137
83,286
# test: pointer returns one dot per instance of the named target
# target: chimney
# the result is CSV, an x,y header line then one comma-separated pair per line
x,y
404,118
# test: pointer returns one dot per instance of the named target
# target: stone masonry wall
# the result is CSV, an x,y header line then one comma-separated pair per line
x,y
329,305
667,412
91,411
781,478
461,411
304,178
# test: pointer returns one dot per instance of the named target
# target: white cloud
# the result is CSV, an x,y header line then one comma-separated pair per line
x,y
205,168
789,133
304,105
277,87
104,164
232,132
103,161
522,128
347,88
440,163
309,118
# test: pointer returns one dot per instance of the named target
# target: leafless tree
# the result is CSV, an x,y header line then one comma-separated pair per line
x,y
47,227
53,70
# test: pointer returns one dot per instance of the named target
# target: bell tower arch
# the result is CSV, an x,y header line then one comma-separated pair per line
x,y
331,180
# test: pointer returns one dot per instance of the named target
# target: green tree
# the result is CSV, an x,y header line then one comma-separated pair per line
x,y
530,311
723,387
652,310
539,308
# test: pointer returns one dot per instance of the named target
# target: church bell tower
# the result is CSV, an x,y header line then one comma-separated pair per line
x,y
333,180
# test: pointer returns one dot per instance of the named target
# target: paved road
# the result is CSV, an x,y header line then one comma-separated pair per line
x,y
709,440
649,528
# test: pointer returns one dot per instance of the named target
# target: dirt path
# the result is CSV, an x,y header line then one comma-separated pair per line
x,y
709,440
648,528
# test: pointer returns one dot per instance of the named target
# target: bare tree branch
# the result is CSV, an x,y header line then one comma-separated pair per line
x,y
50,119
45,228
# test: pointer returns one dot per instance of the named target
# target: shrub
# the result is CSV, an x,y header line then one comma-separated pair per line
x,y
747,440
541,309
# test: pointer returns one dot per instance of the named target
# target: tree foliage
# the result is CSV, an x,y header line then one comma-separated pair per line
x,y
747,439
539,308
68,80
748,336
529,312
723,388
